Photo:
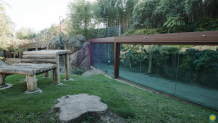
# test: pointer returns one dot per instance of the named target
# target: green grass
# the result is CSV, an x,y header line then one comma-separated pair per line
x,y
134,104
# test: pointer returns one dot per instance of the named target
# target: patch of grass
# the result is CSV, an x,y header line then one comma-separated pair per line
x,y
15,101
134,104
77,71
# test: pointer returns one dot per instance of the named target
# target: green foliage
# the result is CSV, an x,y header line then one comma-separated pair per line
x,y
145,31
174,22
143,16
207,25
116,12
174,14
141,53
25,33
199,61
79,18
77,71
6,28
162,54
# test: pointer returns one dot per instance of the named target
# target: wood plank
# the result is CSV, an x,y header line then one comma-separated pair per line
x,y
39,56
46,52
33,64
25,71
39,60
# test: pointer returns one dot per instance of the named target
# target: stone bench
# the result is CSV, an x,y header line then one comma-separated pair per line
x,y
34,63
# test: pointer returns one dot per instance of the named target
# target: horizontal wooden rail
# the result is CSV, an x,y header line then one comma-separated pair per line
x,y
39,56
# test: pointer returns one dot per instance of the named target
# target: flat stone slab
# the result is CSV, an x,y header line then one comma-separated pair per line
x,y
72,107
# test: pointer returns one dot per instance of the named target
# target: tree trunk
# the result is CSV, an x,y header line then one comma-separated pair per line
x,y
150,62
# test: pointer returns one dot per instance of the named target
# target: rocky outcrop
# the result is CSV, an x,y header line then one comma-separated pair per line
x,y
2,63
72,44
81,38
81,59
55,43
79,47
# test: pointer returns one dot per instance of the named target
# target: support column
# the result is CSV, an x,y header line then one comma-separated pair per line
x,y
2,80
46,75
56,75
31,83
116,59
20,55
66,65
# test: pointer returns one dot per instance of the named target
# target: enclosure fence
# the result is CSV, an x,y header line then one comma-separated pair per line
x,y
106,32
184,65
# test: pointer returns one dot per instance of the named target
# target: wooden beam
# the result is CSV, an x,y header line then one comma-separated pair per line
x,y
26,71
66,65
56,75
39,60
116,59
47,52
2,80
46,74
39,56
31,83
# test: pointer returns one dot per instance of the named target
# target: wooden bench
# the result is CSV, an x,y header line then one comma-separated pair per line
x,y
37,62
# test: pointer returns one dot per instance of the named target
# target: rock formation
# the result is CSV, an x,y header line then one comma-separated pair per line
x,y
80,51
2,63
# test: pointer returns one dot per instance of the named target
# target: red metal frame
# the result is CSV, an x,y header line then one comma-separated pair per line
x,y
187,38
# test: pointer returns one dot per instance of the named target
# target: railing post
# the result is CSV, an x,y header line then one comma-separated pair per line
x,y
91,62
116,59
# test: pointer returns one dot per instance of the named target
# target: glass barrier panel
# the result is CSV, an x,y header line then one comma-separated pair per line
x,y
103,57
130,62
159,68
198,75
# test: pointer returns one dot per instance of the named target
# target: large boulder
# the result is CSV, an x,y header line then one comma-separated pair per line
x,y
79,58
81,38
73,45
85,64
65,39
79,47
55,43
2,63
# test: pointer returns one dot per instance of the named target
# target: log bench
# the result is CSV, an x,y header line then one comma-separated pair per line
x,y
37,62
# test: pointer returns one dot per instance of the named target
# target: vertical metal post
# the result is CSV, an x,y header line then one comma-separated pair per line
x,y
116,59
108,31
119,30
91,62
98,32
